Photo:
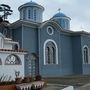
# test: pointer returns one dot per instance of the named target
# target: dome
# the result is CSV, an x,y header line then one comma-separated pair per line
x,y
62,20
31,4
59,15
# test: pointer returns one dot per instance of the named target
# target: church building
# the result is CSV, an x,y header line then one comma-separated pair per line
x,y
57,51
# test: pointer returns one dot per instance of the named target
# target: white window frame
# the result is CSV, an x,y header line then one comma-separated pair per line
x,y
51,29
83,54
50,40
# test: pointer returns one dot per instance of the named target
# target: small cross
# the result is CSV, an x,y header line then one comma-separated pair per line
x,y
31,0
59,10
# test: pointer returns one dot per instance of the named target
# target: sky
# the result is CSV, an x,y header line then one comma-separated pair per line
x,y
77,10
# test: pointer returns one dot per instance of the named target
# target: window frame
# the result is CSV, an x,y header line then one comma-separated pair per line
x,y
44,51
8,57
51,29
85,46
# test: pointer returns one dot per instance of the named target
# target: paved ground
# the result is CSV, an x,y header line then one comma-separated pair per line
x,y
80,82
77,80
54,87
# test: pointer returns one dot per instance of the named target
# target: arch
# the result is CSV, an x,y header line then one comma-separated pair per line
x,y
85,54
50,52
53,23
13,60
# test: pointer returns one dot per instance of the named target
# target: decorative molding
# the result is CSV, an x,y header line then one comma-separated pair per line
x,y
83,54
52,30
48,40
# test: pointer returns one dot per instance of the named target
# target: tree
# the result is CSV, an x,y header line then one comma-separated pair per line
x,y
6,10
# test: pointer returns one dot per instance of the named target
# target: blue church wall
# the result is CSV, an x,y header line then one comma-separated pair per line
x,y
66,54
30,39
48,70
64,66
30,43
77,54
85,41
17,35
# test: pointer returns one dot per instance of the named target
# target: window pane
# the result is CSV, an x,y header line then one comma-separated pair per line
x,y
85,55
50,53
35,14
29,14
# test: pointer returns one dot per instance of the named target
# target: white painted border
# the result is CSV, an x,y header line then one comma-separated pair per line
x,y
51,29
83,54
48,40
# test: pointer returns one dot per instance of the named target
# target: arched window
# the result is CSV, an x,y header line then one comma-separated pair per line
x,y
29,14
85,55
24,14
0,61
13,60
34,14
50,52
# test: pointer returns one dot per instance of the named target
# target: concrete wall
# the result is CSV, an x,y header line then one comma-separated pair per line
x,y
9,70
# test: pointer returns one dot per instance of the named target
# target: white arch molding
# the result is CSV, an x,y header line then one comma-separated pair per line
x,y
83,54
50,40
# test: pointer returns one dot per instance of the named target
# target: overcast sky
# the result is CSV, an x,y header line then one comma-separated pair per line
x,y
77,10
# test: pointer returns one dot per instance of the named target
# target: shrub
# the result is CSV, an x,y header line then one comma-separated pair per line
x,y
38,78
27,79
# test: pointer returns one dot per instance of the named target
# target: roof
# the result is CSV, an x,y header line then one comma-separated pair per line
x,y
17,51
31,4
24,22
60,14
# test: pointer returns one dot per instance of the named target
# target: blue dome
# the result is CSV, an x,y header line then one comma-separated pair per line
x,y
31,4
59,15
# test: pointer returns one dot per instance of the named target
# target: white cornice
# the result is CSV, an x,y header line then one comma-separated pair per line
x,y
27,22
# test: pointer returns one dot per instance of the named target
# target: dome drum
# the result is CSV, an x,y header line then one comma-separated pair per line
x,y
62,20
31,11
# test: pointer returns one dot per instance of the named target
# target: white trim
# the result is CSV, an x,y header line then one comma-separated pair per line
x,y
83,54
51,29
48,40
